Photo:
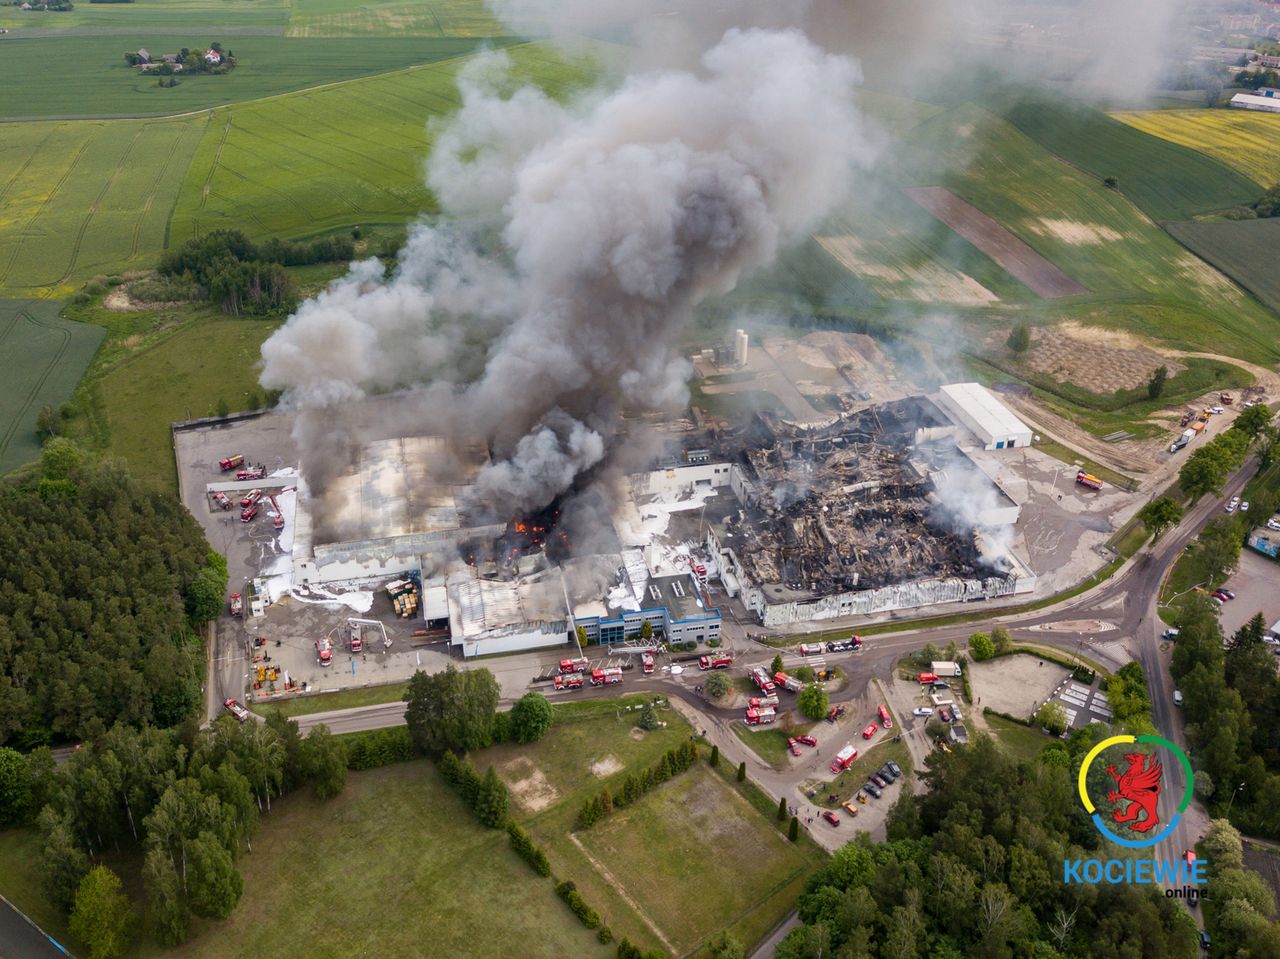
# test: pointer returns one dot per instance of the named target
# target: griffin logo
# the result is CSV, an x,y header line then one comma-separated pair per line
x,y
1135,794
1139,786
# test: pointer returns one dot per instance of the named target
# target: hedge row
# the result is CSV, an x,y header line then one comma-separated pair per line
x,y
485,795
673,762
379,747
527,850
988,711
569,893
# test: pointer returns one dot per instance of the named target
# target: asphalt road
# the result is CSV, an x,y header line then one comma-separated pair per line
x,y
20,938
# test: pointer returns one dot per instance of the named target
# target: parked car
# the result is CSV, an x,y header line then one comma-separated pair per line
x,y
876,778
873,790
869,731
794,747
1272,524
1205,941
1220,595
885,773
861,797
940,684
807,740
1219,600
831,817
1231,507
1244,507
1170,634
1215,410
945,714
894,768
922,711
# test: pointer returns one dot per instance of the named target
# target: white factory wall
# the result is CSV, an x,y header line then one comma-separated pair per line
x,y
679,479
528,639
1000,515
863,602
336,571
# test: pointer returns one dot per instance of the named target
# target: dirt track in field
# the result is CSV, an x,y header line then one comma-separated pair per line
x,y
1013,255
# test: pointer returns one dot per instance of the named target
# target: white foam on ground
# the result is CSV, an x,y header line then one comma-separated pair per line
x,y
286,472
359,600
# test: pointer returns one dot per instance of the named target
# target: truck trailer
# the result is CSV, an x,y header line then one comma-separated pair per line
x,y
789,683
1088,480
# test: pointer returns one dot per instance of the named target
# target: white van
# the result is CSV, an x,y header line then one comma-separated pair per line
x,y
1177,697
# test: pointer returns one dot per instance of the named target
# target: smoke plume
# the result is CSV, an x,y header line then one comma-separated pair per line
x,y
964,496
619,213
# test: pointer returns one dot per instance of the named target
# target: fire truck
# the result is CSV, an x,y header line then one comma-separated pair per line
x,y
762,680
647,662
251,497
356,644
1088,480
231,462
715,662
788,682
237,605
574,665
810,649
252,473
324,651
222,500
570,681
759,702
606,677
277,516
248,513
844,759
758,717
885,719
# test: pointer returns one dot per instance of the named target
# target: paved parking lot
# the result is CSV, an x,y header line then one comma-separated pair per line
x,y
1256,583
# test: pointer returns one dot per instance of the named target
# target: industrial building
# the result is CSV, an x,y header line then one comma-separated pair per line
x,y
1250,101
976,408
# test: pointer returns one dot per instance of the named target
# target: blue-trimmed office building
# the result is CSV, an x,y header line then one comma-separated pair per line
x,y
676,606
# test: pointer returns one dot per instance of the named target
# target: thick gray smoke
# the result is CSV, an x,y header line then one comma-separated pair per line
x,y
965,498
620,213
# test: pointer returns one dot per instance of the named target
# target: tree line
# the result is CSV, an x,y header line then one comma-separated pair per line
x,y
101,583
190,800
1230,700
973,868
241,276
1210,464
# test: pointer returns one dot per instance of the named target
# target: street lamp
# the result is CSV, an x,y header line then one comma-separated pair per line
x,y
1233,799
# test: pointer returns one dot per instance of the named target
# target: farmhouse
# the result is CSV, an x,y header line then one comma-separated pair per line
x,y
1249,101
212,57
143,55
1269,62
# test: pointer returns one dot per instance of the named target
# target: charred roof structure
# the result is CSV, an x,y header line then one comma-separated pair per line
x,y
865,512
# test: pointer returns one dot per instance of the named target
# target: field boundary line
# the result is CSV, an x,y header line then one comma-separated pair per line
x,y
151,197
217,159
622,892
25,163
93,209
39,384
62,181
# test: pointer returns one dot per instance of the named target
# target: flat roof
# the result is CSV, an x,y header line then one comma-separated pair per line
x,y
1249,99
981,404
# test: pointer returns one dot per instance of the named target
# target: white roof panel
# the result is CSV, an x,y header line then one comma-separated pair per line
x,y
981,404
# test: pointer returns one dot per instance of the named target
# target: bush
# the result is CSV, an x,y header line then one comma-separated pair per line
x,y
378,747
812,701
569,893
605,935
793,831
982,647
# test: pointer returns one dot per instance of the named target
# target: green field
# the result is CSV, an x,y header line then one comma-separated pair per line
x,y
1242,139
771,744
1167,181
89,197
1248,251
94,81
591,747
180,377
310,161
155,15
438,18
711,841
43,357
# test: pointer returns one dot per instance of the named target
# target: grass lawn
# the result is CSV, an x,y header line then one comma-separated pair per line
x,y
1019,741
80,198
845,785
20,883
770,743
1247,141
396,866
344,699
180,377
711,840
400,18
43,357
109,19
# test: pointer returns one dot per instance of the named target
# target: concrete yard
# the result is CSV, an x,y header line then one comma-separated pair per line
x,y
1015,685
1256,583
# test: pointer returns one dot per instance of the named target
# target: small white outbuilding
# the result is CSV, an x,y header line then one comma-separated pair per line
x,y
976,408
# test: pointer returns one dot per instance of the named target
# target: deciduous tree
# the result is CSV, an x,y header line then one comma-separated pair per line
x,y
1159,515
812,701
531,717
102,917
451,709
324,760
